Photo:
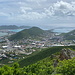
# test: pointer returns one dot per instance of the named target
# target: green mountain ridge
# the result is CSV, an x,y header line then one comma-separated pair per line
x,y
26,33
70,35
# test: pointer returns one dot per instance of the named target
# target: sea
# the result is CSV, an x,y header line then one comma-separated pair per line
x,y
63,29
13,30
16,30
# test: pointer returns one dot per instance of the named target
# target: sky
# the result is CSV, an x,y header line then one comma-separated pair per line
x,y
43,13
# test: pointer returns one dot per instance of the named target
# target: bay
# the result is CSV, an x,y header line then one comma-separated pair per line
x,y
16,30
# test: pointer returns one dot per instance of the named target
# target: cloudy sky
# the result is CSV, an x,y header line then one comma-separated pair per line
x,y
44,13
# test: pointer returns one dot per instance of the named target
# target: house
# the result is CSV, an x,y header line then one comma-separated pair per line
x,y
4,46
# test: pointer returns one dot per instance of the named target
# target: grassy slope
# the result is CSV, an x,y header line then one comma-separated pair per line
x,y
41,55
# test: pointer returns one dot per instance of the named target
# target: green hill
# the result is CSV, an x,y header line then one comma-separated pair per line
x,y
41,55
26,33
70,35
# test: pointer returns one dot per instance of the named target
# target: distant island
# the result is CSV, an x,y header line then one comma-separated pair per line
x,y
13,27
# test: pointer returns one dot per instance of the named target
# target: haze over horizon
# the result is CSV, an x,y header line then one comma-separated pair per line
x,y
43,13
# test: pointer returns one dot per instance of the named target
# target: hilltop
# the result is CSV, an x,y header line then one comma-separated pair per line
x,y
26,33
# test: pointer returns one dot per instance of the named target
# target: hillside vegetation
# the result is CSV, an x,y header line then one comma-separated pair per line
x,y
42,67
41,55
26,33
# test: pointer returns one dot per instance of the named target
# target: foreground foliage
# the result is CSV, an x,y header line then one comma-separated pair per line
x,y
43,67
66,67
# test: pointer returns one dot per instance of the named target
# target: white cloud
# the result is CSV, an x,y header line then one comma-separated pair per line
x,y
62,9
4,14
36,0
25,9
29,13
59,9
49,11
32,15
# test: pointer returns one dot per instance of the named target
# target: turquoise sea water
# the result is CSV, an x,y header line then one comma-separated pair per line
x,y
63,30
16,30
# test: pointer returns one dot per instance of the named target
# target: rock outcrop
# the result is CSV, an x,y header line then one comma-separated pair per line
x,y
66,54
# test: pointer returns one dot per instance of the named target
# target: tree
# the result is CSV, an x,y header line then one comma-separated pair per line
x,y
66,67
